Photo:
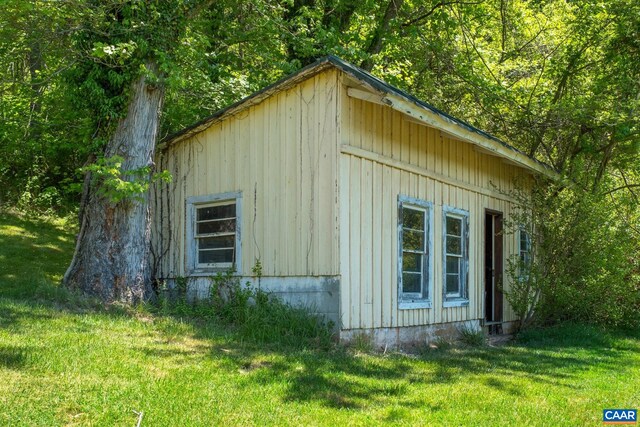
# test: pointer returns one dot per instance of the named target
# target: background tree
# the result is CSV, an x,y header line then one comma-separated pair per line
x,y
43,135
559,80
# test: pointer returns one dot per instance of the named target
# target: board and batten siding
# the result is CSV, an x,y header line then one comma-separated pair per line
x,y
281,154
320,174
384,154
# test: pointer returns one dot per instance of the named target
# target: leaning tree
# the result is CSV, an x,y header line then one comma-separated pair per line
x,y
126,51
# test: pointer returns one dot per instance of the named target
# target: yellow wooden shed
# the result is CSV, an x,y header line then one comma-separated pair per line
x,y
373,208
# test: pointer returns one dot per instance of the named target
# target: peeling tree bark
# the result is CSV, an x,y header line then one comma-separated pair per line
x,y
111,259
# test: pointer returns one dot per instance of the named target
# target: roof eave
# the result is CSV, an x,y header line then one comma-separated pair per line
x,y
391,96
431,116
438,121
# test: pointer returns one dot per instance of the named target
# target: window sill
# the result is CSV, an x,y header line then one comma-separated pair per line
x,y
456,303
414,305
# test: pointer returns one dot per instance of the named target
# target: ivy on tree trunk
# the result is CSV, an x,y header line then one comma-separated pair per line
x,y
111,259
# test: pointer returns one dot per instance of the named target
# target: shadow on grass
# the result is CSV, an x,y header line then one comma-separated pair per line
x,y
12,357
336,378
340,379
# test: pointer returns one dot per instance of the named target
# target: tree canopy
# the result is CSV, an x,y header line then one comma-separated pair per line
x,y
560,80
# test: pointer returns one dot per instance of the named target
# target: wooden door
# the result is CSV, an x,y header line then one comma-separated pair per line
x,y
493,267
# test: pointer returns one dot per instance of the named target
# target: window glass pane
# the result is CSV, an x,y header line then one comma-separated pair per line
x,y
413,240
524,241
214,256
454,226
454,245
217,226
453,284
217,212
412,218
216,242
411,262
411,282
453,265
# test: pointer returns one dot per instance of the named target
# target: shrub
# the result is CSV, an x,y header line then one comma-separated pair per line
x,y
35,197
585,264
525,290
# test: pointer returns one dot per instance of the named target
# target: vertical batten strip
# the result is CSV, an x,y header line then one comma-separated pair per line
x,y
366,238
346,259
355,230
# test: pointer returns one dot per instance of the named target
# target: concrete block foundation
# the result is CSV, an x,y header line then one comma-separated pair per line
x,y
408,336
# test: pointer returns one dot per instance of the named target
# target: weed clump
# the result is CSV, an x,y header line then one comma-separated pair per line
x,y
256,315
472,337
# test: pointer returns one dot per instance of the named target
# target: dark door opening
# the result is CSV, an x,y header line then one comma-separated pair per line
x,y
493,271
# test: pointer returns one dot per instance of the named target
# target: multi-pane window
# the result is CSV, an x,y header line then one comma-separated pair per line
x,y
525,247
215,234
413,251
456,257
524,252
413,242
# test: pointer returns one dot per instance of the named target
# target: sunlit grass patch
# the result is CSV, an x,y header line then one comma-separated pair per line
x,y
66,361
33,251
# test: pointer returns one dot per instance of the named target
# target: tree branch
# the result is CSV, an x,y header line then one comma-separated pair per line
x,y
434,8
627,186
633,193
375,45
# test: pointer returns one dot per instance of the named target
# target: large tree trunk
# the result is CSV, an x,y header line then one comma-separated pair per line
x,y
111,259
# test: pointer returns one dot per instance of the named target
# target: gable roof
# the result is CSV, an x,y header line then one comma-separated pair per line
x,y
376,90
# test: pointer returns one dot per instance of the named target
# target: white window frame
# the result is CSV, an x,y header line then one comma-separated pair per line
x,y
193,204
424,298
462,298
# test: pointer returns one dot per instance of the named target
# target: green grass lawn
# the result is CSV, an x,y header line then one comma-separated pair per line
x,y
65,363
